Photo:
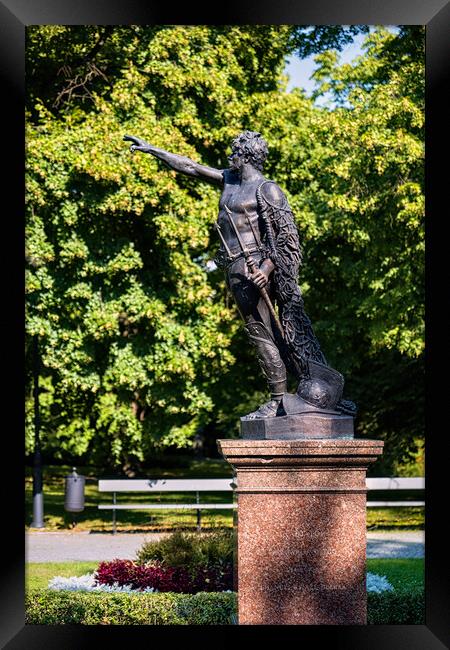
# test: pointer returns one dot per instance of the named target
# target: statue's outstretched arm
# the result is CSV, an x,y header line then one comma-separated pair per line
x,y
177,162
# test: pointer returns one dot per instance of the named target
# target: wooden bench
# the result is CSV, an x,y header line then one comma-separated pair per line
x,y
166,485
225,485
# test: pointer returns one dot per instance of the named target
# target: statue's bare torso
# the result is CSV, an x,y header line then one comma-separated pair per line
x,y
240,198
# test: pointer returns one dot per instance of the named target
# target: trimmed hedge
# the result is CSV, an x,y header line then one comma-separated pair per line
x,y
65,607
400,607
84,608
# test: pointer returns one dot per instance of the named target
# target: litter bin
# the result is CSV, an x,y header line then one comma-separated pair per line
x,y
74,494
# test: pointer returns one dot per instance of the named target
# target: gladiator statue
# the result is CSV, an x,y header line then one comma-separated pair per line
x,y
261,255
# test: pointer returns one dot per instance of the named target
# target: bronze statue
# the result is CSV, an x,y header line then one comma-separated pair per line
x,y
261,255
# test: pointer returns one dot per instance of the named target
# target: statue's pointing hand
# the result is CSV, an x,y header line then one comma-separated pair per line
x,y
138,144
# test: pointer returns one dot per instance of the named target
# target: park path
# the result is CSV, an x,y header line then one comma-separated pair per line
x,y
44,546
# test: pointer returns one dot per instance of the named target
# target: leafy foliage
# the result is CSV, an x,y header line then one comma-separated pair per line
x,y
394,608
190,550
165,578
141,347
134,333
63,608
373,244
312,39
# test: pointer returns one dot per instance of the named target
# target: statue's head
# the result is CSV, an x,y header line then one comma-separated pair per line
x,y
248,147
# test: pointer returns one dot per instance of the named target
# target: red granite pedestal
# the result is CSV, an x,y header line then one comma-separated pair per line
x,y
301,519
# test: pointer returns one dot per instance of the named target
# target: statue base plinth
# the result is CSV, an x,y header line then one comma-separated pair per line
x,y
303,426
301,529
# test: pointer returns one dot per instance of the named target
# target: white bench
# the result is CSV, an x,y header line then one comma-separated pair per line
x,y
166,485
198,485
416,483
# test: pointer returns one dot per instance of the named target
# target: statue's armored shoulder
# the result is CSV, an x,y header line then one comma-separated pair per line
x,y
272,194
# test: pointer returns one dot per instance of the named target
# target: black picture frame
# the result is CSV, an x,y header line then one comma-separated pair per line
x,y
15,15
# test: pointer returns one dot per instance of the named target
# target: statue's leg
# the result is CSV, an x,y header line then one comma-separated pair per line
x,y
260,330
271,364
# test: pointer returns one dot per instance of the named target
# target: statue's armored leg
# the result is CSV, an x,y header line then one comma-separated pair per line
x,y
272,366
258,325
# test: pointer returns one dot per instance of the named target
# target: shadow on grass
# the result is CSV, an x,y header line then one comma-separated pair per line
x,y
160,529
396,518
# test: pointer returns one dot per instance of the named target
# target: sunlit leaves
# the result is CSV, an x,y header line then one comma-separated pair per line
x,y
140,345
133,330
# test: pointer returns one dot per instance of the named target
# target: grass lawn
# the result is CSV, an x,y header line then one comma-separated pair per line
x,y
37,574
57,519
403,573
398,518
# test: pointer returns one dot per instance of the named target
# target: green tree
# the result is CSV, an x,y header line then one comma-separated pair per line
x,y
306,40
142,347
370,239
134,332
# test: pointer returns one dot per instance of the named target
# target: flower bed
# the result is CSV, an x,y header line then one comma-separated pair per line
x,y
89,583
124,576
164,578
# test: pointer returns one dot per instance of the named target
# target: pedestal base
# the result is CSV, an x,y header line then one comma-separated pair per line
x,y
297,427
301,516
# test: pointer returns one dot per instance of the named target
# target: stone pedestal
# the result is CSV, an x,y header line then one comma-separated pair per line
x,y
301,524
297,427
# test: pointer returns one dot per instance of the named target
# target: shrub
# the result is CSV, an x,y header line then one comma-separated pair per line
x,y
190,549
165,578
403,607
138,576
213,578
208,557
78,608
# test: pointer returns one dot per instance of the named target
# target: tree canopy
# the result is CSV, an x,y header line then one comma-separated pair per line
x,y
141,347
